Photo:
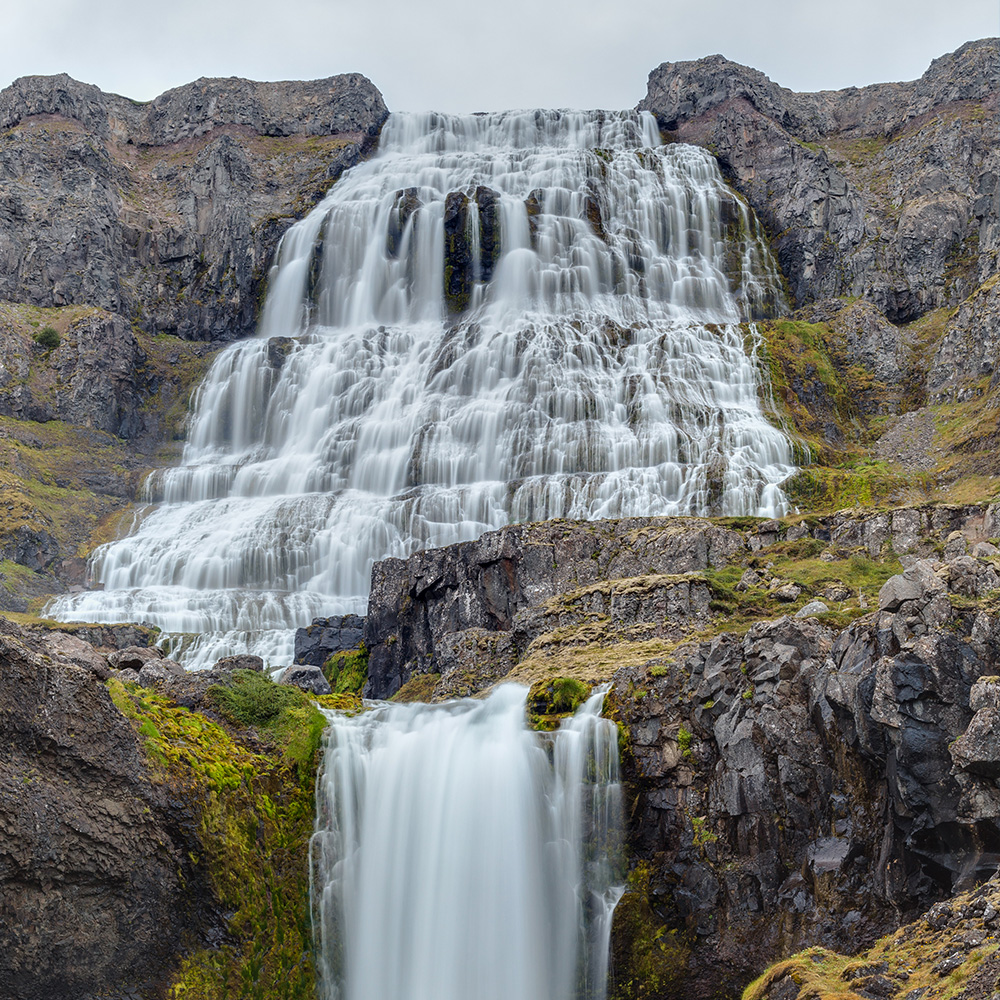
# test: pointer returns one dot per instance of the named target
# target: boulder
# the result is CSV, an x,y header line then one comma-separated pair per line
x,y
242,661
811,609
156,672
134,657
308,678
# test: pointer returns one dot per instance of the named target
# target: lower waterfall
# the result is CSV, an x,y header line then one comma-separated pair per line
x,y
459,855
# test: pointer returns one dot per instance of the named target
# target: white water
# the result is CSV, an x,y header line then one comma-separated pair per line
x,y
456,856
599,371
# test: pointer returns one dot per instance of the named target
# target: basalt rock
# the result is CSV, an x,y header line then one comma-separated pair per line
x,y
889,192
167,213
416,602
316,643
98,883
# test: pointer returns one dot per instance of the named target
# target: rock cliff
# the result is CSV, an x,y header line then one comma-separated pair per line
x,y
167,213
154,824
808,710
889,192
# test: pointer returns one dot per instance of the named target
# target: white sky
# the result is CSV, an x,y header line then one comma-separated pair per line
x,y
460,55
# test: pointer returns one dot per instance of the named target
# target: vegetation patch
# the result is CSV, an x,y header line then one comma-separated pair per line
x,y
551,700
648,959
347,671
420,687
253,798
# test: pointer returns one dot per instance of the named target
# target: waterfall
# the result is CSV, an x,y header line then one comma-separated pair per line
x,y
498,318
458,856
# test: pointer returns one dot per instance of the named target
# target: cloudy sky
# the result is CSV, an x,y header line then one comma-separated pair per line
x,y
464,55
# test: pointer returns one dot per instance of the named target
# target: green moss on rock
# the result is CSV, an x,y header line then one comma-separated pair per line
x,y
347,671
252,794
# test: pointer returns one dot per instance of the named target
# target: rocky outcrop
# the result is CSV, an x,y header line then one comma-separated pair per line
x,y
967,361
99,885
950,950
167,213
889,192
430,599
317,642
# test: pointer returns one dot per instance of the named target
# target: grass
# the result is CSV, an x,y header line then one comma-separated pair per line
x,y
254,804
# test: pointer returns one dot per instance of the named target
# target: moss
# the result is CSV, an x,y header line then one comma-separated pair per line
x,y
282,713
420,687
554,698
684,740
648,959
347,671
254,807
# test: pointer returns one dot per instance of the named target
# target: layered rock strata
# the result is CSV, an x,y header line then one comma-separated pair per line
x,y
167,213
889,192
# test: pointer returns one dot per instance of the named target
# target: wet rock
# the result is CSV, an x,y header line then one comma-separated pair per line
x,y
316,643
242,661
308,678
458,263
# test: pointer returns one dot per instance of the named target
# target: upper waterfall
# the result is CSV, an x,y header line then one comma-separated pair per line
x,y
498,318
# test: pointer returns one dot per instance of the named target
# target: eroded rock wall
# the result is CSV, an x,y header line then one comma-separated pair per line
x,y
889,192
167,213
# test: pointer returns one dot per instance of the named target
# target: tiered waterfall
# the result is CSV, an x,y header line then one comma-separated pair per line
x,y
497,318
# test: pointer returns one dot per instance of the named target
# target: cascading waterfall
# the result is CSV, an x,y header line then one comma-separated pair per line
x,y
498,318
456,856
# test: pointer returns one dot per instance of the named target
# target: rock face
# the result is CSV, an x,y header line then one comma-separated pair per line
x,y
98,884
889,192
316,643
790,782
167,213
422,605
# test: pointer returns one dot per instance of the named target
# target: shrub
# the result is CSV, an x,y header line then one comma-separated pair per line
x,y
47,338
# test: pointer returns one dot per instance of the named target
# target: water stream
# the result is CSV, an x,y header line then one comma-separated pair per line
x,y
498,318
457,855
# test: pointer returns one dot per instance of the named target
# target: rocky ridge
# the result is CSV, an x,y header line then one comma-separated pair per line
x,y
811,777
168,213
888,192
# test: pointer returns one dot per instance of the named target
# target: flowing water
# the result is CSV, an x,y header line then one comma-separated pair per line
x,y
457,856
498,318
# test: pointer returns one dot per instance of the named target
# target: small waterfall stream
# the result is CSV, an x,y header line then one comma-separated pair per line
x,y
458,856
498,318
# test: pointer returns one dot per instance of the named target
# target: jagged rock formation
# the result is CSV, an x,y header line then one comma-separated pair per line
x,y
439,599
99,887
167,213
889,192
951,951
793,779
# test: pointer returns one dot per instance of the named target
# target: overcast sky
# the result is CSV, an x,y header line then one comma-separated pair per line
x,y
464,55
